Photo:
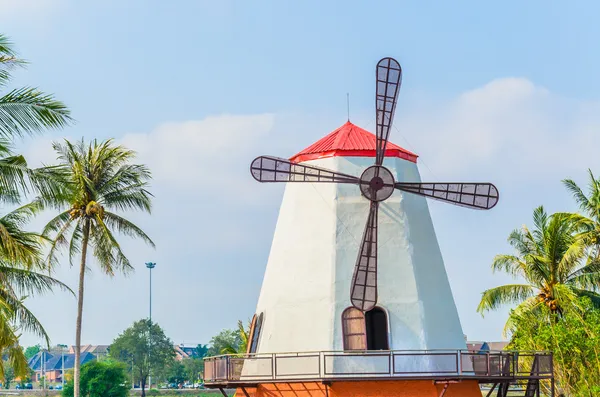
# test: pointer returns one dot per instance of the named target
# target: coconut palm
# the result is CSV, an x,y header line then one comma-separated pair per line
x,y
549,260
22,111
93,182
589,220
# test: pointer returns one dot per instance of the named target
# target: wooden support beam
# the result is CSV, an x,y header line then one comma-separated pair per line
x,y
444,389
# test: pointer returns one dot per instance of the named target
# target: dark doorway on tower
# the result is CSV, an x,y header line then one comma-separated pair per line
x,y
376,325
365,331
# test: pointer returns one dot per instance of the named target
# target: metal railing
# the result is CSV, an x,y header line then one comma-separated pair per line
x,y
431,364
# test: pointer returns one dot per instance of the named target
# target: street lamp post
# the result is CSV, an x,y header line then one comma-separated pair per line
x,y
150,265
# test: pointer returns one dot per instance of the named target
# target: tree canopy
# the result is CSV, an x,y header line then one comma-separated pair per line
x,y
551,260
144,346
100,379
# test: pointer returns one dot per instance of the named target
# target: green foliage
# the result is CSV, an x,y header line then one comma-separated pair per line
x,y
32,351
589,220
230,341
100,379
549,259
9,375
201,351
176,373
224,340
575,341
145,346
193,368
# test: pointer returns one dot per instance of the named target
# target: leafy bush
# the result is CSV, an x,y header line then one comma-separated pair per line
x,y
574,338
100,379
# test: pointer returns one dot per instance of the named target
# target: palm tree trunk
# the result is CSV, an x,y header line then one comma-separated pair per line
x,y
84,245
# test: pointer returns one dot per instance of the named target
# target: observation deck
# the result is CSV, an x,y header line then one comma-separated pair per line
x,y
531,371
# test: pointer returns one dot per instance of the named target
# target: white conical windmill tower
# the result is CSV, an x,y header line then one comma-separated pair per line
x,y
355,287
314,287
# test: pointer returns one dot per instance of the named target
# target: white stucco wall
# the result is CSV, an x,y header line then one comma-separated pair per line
x,y
306,285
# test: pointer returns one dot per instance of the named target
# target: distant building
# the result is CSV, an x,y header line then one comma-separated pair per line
x,y
51,365
476,347
97,350
182,351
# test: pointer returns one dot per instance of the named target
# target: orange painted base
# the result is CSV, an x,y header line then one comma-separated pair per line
x,y
405,388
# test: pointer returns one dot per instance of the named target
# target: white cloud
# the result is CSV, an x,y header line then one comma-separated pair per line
x,y
510,127
200,153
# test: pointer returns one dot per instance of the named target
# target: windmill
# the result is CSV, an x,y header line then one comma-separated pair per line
x,y
376,184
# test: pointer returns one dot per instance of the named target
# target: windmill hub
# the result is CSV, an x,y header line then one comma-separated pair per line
x,y
377,183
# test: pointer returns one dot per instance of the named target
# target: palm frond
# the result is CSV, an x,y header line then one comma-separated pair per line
x,y
530,308
511,293
580,197
125,227
30,110
16,245
586,277
25,282
107,250
59,226
25,319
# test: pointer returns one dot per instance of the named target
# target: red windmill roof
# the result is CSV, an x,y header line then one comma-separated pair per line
x,y
350,141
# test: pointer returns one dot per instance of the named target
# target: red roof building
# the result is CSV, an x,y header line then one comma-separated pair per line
x,y
350,141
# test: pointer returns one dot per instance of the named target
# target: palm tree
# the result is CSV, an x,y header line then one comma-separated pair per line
x,y
549,259
93,181
22,111
589,220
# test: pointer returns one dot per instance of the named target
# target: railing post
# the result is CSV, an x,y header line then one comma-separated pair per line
x,y
273,367
321,365
489,372
459,360
227,368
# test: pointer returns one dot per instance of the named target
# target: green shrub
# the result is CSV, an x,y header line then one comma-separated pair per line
x,y
100,379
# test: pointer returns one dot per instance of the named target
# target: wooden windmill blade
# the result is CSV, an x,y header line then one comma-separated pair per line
x,y
389,79
482,196
275,169
364,280
376,184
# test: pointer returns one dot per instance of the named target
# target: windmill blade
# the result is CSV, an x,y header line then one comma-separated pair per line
x,y
389,79
483,196
363,292
275,169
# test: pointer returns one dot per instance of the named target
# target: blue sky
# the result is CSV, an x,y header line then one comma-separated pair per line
x,y
501,92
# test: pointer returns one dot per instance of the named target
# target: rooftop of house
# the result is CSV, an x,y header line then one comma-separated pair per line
x,y
95,349
482,346
55,361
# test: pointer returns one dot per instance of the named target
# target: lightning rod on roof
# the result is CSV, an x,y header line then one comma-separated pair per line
x,y
348,104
